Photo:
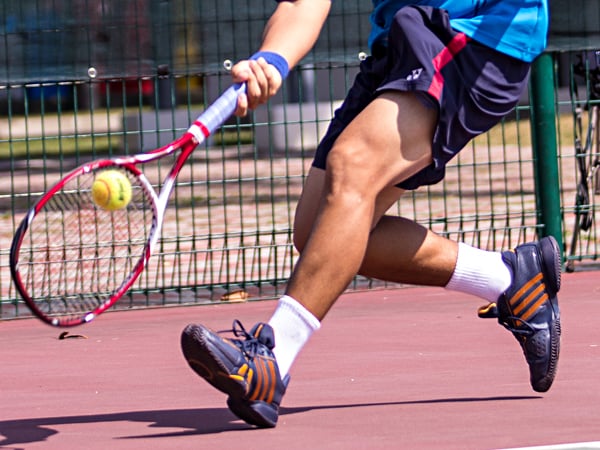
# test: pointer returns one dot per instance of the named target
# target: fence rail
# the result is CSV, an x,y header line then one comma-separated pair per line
x,y
80,79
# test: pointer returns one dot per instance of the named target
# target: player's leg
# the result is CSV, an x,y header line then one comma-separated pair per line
x,y
363,163
523,281
403,251
399,250
389,141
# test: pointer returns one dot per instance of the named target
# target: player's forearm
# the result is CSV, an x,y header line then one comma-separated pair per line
x,y
294,28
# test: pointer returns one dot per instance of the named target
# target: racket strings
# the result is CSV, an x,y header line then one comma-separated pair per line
x,y
76,255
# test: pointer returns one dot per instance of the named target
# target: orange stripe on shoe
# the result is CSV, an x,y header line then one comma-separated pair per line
x,y
264,380
272,383
254,394
535,307
517,295
258,330
243,375
249,378
260,380
527,301
243,370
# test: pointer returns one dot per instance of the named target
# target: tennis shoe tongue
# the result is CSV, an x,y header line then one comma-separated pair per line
x,y
264,334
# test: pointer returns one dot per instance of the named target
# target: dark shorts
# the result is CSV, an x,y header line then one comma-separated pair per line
x,y
472,86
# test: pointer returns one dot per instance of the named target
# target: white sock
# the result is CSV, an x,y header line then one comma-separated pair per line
x,y
293,325
480,272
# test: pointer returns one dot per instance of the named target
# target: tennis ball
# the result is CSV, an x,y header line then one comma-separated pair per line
x,y
111,190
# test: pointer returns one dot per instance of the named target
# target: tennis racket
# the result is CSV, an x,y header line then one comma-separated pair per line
x,y
70,259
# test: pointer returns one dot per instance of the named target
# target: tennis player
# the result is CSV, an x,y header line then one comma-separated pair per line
x,y
440,73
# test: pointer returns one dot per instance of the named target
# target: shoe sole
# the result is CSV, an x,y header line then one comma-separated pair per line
x,y
206,362
551,269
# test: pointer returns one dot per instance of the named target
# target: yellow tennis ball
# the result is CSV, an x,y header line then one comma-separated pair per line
x,y
111,190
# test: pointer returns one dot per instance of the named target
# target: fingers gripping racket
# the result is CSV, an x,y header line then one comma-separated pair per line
x,y
71,259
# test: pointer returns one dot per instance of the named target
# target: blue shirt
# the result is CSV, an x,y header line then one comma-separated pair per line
x,y
517,28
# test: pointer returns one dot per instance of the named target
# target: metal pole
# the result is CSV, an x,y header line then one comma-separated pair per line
x,y
543,131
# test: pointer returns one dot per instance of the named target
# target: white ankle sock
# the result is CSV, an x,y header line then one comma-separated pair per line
x,y
292,325
479,272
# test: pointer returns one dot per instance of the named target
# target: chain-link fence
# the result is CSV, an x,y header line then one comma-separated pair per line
x,y
81,79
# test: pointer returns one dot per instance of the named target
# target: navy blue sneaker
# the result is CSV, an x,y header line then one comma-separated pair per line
x,y
242,367
529,307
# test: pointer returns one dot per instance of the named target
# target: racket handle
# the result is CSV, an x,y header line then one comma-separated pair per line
x,y
217,113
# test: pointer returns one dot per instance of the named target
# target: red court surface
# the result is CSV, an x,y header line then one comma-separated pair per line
x,y
406,369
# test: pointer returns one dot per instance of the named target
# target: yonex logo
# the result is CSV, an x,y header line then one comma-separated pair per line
x,y
415,74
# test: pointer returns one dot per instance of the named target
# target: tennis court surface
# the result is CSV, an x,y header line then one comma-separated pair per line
x,y
411,368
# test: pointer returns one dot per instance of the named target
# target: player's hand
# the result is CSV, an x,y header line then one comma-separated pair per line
x,y
262,82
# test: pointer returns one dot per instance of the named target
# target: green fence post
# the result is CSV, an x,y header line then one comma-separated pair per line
x,y
543,136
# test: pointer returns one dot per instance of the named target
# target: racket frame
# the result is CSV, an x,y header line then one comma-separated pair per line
x,y
211,119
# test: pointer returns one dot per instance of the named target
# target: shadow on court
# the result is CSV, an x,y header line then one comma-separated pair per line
x,y
193,421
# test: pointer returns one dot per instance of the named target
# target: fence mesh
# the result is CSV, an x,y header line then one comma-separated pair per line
x,y
82,79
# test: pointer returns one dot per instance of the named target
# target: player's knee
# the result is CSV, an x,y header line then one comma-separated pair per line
x,y
351,170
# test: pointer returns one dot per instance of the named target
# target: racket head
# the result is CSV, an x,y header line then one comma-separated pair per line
x,y
70,259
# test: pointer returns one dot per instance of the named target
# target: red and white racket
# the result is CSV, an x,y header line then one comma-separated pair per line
x,y
72,260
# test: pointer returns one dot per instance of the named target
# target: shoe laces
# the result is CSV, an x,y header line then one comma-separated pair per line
x,y
247,343
527,331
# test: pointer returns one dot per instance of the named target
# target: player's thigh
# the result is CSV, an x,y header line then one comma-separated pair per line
x,y
308,206
389,141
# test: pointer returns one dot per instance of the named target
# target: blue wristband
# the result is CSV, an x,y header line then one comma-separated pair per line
x,y
276,60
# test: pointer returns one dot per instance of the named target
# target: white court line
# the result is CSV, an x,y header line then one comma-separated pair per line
x,y
575,446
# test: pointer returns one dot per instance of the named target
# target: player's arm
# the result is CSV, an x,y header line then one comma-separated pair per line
x,y
290,32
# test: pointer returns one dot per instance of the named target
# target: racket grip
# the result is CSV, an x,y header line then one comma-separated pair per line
x,y
217,113
222,108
